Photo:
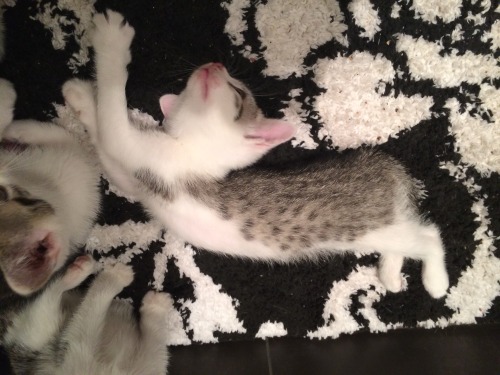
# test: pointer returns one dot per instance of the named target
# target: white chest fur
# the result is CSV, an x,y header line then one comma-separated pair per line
x,y
203,227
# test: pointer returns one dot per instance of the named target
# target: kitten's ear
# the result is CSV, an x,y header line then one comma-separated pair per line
x,y
270,133
166,103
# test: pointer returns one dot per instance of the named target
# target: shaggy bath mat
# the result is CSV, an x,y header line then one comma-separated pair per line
x,y
418,79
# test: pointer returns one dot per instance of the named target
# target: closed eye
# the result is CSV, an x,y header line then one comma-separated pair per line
x,y
240,97
4,194
240,112
27,201
242,94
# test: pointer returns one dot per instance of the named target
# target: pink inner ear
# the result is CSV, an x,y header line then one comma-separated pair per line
x,y
271,133
167,102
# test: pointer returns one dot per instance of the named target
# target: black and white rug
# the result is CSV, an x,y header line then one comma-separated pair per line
x,y
419,79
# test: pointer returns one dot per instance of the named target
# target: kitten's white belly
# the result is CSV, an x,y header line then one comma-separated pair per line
x,y
204,228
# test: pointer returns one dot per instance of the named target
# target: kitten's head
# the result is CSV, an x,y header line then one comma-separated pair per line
x,y
30,240
217,115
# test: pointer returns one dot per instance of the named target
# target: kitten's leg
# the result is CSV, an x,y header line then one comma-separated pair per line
x,y
153,353
40,322
85,329
122,148
389,271
112,39
36,133
79,95
7,101
434,274
413,240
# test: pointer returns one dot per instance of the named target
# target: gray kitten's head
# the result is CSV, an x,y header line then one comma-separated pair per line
x,y
30,245
218,116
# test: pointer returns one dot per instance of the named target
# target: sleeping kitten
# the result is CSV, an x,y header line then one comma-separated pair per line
x,y
190,174
49,197
62,332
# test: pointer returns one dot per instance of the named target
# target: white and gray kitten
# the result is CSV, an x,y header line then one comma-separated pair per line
x,y
191,174
61,332
49,197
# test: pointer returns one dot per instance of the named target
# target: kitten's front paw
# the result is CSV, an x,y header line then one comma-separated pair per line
x,y
78,94
78,271
7,94
7,101
156,302
19,132
112,34
121,273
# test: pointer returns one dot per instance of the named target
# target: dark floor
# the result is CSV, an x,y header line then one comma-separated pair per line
x,y
473,350
455,351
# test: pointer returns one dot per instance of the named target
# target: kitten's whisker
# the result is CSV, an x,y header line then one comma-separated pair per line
x,y
190,63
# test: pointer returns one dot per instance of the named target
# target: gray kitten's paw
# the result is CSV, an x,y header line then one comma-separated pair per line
x,y
78,271
78,94
120,273
7,93
156,302
7,101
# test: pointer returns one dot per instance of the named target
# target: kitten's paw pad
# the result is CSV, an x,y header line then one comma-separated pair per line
x,y
78,94
112,34
78,271
436,285
122,273
157,302
7,94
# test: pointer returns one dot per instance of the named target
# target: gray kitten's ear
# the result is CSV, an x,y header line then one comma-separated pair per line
x,y
269,133
167,102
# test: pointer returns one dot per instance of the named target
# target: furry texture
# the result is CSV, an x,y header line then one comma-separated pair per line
x,y
49,198
64,332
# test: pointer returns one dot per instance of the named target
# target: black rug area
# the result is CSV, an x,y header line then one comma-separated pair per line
x,y
417,79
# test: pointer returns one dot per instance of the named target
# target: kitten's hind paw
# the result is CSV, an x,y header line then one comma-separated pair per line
x,y
112,35
393,283
436,282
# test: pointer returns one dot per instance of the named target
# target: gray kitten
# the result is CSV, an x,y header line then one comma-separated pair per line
x,y
49,197
192,176
61,332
